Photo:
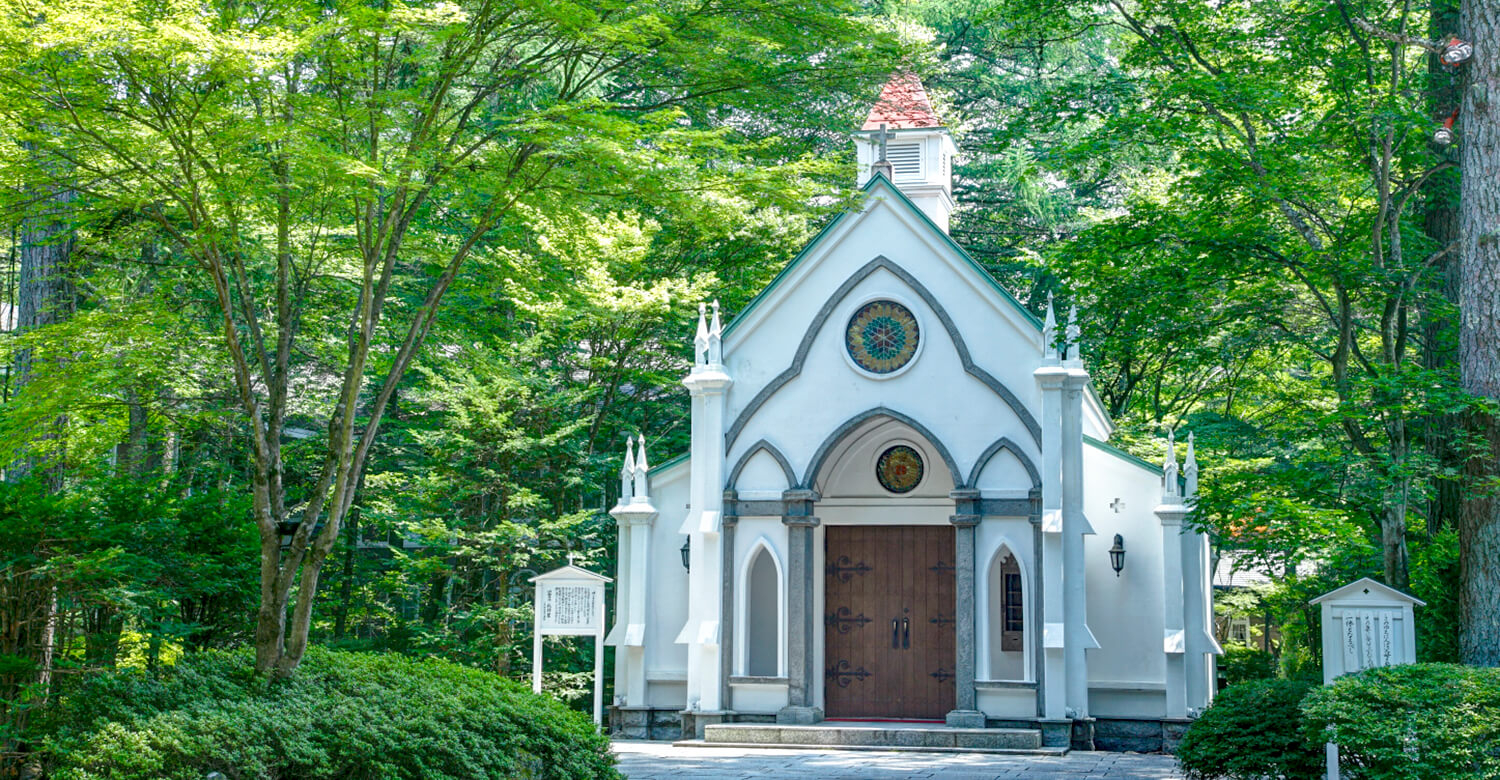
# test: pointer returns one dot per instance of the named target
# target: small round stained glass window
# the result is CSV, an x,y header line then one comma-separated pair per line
x,y
882,336
899,469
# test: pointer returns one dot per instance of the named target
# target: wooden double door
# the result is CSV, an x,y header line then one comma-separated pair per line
x,y
888,622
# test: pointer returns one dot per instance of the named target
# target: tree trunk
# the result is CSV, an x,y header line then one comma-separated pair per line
x,y
1479,332
45,294
1439,337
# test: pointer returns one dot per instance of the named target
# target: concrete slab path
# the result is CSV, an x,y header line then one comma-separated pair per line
x,y
650,760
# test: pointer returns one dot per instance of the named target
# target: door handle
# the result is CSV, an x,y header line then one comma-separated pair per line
x,y
895,643
906,633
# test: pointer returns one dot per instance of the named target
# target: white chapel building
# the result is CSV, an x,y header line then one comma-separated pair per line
x,y
900,503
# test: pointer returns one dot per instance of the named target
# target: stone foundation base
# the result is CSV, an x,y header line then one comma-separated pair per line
x,y
799,716
1083,734
1116,735
645,723
1055,733
965,719
693,721
1139,736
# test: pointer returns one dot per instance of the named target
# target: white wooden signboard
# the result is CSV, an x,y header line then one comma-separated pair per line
x,y
1365,625
570,602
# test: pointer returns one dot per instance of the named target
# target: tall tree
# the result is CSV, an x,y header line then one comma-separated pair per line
x,y
1479,331
329,169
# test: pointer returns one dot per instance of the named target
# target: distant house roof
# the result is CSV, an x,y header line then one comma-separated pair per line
x,y
1234,570
903,105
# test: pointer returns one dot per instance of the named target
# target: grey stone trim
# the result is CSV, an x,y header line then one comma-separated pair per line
x,y
739,465
1004,685
991,451
1005,507
1038,653
853,422
965,699
750,680
727,613
797,506
766,508
801,672
826,311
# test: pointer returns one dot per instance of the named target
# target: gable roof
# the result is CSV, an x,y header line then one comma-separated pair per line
x,y
903,105
1366,589
570,572
1122,454
879,181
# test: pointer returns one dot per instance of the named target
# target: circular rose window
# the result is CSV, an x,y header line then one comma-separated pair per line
x,y
899,469
882,336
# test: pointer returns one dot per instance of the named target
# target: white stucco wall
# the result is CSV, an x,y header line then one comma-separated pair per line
x,y
952,414
666,599
1127,674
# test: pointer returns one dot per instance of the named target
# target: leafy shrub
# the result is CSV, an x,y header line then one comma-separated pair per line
x,y
1413,722
1242,664
343,715
1252,730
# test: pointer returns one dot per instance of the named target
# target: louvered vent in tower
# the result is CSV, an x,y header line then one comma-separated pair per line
x,y
906,160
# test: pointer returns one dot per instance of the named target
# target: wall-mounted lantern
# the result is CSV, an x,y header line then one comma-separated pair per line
x,y
1117,554
687,551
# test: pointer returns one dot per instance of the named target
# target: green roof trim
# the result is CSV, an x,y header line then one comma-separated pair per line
x,y
1122,455
881,180
660,467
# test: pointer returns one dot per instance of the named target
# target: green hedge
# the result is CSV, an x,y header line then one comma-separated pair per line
x,y
1252,730
343,715
1415,722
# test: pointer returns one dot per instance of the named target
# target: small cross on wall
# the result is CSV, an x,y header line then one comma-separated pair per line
x,y
1117,505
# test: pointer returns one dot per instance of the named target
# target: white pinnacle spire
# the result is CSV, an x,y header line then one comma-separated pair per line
x,y
627,471
1049,332
716,338
1169,468
1190,470
641,467
700,341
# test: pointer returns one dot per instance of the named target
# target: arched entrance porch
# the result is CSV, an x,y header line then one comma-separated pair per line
x,y
886,643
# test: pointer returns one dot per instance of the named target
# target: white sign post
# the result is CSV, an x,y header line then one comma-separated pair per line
x,y
1365,625
570,602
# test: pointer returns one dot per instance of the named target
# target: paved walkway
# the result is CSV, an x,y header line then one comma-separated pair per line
x,y
649,760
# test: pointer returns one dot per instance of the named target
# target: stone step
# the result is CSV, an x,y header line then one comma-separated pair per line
x,y
877,736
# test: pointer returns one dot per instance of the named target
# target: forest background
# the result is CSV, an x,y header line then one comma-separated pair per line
x,y
324,323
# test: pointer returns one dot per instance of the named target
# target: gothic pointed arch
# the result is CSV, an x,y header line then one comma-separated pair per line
x,y
762,612
761,445
882,262
1008,644
827,447
1004,444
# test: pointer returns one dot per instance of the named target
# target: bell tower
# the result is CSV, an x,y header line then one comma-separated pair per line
x,y
904,140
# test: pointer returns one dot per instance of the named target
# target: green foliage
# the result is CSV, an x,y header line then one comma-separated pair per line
x,y
1413,722
1252,731
344,715
132,571
1242,664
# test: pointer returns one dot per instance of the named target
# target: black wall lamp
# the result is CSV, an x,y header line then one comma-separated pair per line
x,y
687,551
1117,554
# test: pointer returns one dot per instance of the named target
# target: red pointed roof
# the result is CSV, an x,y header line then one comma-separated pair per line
x,y
903,104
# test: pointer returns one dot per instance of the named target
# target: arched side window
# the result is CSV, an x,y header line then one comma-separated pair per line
x,y
762,616
1012,609
1007,613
